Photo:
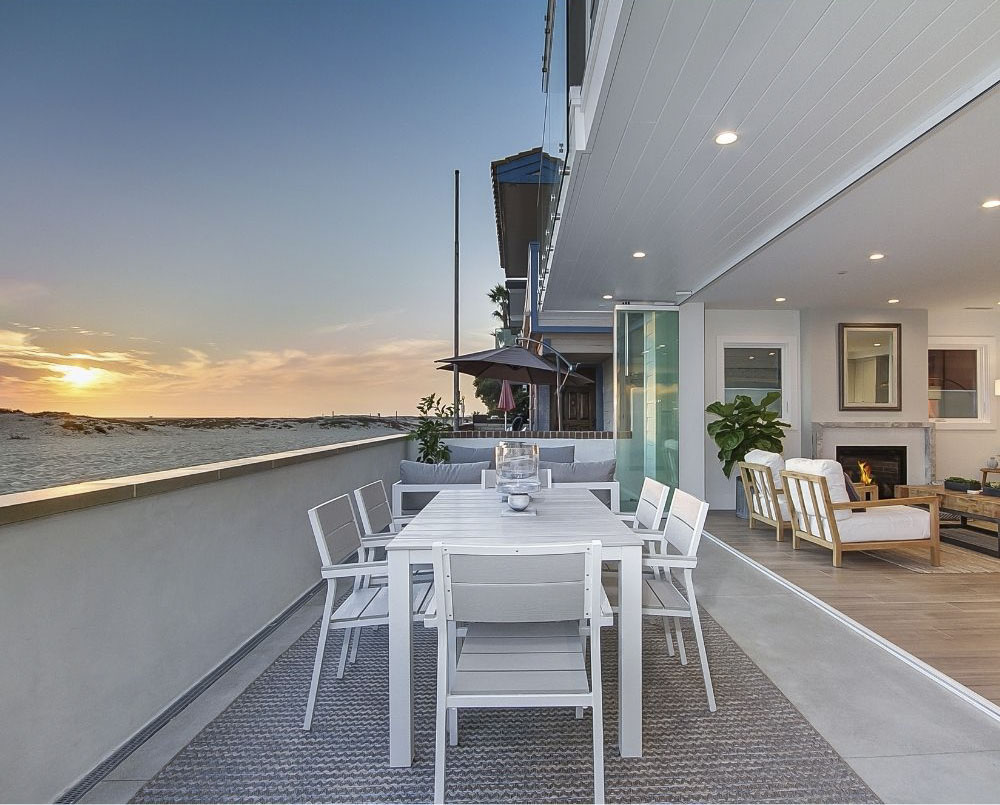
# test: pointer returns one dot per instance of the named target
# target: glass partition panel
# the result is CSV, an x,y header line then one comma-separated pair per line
x,y
646,393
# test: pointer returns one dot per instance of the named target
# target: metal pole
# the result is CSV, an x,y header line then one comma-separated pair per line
x,y
455,367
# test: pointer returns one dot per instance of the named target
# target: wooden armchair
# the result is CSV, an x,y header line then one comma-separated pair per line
x,y
827,518
765,500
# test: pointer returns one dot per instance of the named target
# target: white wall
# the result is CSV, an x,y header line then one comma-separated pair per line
x,y
964,451
820,399
109,613
691,397
737,325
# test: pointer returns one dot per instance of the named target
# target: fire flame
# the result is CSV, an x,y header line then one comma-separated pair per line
x,y
866,472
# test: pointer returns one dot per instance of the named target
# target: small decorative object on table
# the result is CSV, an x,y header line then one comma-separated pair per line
x,y
958,484
992,462
517,473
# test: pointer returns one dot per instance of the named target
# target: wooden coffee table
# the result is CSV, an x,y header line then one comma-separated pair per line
x,y
986,471
967,507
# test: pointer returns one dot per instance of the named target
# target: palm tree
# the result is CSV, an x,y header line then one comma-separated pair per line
x,y
500,297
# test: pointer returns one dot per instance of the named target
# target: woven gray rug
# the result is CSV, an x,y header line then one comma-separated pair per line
x,y
756,748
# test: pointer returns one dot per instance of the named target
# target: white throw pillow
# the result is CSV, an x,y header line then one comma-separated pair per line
x,y
834,475
773,461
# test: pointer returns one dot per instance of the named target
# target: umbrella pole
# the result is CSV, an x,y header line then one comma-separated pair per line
x,y
559,383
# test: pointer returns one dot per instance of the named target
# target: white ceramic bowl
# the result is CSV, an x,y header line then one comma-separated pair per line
x,y
518,501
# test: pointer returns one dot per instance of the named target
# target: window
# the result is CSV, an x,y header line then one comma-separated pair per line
x,y
757,364
754,372
958,381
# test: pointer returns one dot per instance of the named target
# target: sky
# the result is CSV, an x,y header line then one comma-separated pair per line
x,y
240,207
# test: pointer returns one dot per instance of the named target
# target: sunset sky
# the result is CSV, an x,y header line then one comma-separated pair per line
x,y
245,208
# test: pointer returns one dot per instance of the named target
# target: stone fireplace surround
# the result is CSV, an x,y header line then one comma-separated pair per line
x,y
916,437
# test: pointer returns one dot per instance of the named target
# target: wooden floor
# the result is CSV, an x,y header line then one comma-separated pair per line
x,y
951,622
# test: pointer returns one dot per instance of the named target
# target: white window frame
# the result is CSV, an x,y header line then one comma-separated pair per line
x,y
985,346
790,388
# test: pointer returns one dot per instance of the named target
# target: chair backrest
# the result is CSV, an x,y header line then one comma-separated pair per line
x,y
807,495
489,479
652,503
518,584
373,506
762,495
685,522
335,530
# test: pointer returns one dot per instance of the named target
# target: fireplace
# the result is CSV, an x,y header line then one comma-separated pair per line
x,y
887,465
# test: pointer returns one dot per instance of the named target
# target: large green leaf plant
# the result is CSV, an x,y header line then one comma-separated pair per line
x,y
744,425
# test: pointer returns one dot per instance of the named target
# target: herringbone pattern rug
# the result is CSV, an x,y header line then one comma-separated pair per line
x,y
756,748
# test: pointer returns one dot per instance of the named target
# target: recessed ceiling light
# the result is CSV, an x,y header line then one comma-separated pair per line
x,y
876,344
780,299
876,256
682,293
607,296
750,357
893,301
990,203
770,353
638,255
726,137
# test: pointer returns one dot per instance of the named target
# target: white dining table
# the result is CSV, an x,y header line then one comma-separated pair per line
x,y
475,516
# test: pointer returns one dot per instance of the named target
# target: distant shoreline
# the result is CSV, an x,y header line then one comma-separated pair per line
x,y
53,448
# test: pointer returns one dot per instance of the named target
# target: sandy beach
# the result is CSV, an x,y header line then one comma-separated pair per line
x,y
51,449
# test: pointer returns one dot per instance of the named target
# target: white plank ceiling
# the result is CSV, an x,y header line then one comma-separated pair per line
x,y
820,92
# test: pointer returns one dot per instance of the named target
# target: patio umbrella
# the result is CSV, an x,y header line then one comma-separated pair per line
x,y
517,365
506,400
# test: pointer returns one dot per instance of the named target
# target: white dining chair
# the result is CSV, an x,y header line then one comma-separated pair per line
x,y
648,516
489,479
338,541
661,597
522,607
376,511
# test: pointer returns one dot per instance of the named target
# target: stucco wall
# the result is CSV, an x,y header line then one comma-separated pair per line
x,y
109,613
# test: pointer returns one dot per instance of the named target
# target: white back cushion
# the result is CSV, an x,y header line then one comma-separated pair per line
x,y
834,475
773,461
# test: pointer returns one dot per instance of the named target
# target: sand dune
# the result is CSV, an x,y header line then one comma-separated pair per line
x,y
55,448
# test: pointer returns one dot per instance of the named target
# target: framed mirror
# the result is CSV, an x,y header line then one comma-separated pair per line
x,y
869,365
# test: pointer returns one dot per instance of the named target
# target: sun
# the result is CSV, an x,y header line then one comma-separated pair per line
x,y
79,377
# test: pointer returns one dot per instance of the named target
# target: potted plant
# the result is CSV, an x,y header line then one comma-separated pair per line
x,y
742,426
430,430
958,484
992,488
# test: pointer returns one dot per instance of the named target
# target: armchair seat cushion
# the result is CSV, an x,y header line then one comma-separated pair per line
x,y
886,523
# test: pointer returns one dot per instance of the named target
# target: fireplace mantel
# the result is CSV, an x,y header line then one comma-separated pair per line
x,y
919,436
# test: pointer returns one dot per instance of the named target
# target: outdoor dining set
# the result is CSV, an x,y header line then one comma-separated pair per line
x,y
518,574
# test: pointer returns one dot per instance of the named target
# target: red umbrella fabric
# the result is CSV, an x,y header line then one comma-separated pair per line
x,y
506,397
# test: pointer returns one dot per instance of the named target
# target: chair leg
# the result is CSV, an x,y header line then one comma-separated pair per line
x,y
452,668
668,636
837,556
779,528
344,646
355,639
700,638
440,727
680,641
320,650
598,755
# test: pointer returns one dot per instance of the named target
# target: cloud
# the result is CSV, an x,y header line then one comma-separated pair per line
x,y
386,375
